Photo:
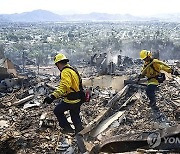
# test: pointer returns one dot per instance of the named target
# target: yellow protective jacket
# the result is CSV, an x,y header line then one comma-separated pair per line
x,y
69,82
152,68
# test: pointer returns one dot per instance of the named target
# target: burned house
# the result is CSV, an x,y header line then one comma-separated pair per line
x,y
7,69
104,63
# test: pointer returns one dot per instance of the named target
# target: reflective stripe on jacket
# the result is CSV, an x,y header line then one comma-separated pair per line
x,y
152,69
69,82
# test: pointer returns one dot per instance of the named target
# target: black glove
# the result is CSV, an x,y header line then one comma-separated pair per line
x,y
174,72
49,99
139,77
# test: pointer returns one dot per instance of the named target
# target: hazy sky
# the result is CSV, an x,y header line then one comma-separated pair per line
x,y
134,7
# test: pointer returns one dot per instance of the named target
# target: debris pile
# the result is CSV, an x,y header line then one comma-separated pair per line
x,y
29,126
135,118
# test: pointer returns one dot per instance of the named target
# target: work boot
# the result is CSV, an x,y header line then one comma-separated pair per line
x,y
67,130
155,109
154,106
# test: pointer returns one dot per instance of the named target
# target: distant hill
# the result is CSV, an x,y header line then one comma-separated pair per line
x,y
34,16
47,16
101,17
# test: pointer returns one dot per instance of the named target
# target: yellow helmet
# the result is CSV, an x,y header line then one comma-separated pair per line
x,y
144,54
59,57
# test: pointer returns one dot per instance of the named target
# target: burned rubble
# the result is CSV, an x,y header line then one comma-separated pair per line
x,y
115,109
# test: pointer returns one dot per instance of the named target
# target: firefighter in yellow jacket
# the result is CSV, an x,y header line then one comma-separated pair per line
x,y
151,70
69,87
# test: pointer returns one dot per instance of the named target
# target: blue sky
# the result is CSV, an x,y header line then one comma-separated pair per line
x,y
134,7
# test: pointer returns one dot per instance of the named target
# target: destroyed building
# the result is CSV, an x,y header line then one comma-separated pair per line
x,y
7,69
117,119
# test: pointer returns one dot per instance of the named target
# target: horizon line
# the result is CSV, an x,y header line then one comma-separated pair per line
x,y
56,12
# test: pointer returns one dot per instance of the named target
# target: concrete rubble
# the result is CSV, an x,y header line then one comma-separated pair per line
x,y
28,126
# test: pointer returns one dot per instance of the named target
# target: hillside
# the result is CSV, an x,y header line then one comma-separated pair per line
x,y
47,16
34,16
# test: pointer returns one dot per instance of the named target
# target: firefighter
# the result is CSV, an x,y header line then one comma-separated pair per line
x,y
151,70
68,89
